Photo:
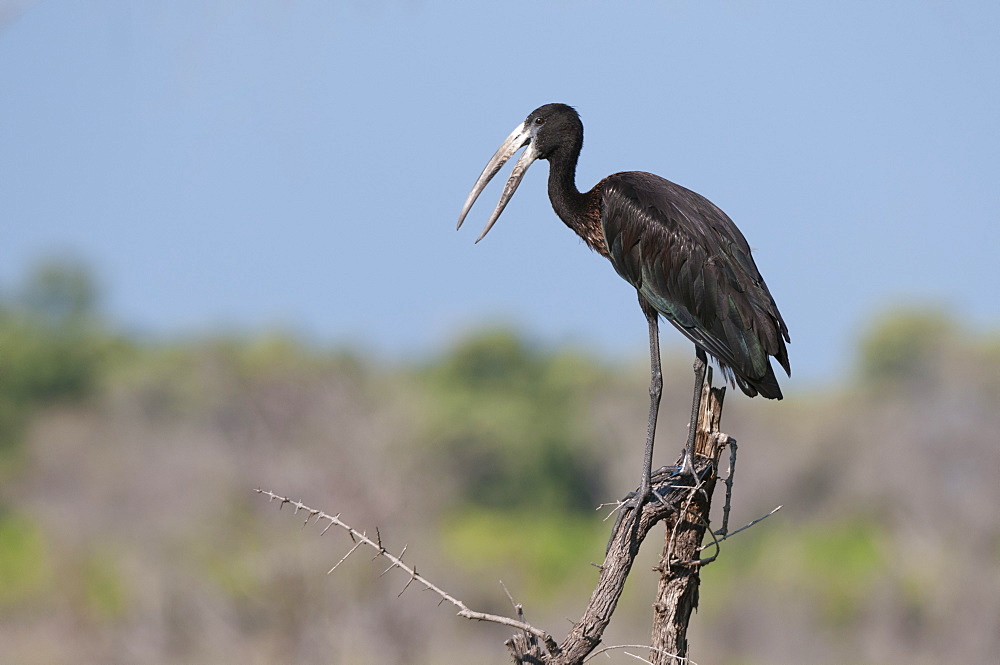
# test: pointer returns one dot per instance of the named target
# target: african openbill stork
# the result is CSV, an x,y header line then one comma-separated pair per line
x,y
685,257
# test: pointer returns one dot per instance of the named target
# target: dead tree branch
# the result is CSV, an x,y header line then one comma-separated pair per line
x,y
361,538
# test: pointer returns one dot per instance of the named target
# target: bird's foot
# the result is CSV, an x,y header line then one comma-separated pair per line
x,y
661,482
683,469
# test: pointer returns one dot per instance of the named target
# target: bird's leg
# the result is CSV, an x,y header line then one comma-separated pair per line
x,y
700,366
635,500
655,391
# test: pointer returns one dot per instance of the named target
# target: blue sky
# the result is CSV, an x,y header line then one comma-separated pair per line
x,y
259,164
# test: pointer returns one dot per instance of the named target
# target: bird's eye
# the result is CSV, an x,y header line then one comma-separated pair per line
x,y
539,121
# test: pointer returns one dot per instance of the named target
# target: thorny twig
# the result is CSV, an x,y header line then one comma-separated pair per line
x,y
397,562
742,528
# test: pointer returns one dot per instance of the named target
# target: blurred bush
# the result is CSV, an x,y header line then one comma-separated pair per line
x,y
52,345
25,563
506,421
904,346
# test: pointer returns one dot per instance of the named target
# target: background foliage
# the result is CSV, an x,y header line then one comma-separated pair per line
x,y
129,532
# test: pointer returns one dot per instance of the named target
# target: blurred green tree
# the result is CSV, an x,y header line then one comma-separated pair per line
x,y
60,294
508,419
904,346
51,344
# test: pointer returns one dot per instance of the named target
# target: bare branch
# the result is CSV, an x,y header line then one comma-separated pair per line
x,y
729,486
397,562
744,527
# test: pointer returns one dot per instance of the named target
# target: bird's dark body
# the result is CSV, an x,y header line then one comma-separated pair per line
x,y
684,256
682,253
688,260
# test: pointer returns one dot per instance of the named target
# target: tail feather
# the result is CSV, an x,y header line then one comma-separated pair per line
x,y
766,386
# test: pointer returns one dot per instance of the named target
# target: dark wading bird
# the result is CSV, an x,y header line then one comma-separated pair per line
x,y
685,257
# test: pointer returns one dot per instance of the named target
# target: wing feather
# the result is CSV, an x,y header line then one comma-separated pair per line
x,y
688,259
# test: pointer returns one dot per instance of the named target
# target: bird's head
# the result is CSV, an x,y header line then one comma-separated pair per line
x,y
554,126
545,131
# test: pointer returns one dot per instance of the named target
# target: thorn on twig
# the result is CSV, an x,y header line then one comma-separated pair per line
x,y
349,553
614,505
408,582
509,597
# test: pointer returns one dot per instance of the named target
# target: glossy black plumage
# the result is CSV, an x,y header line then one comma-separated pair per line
x,y
685,257
690,262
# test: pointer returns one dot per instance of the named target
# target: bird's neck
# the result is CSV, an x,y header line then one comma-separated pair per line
x,y
574,208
